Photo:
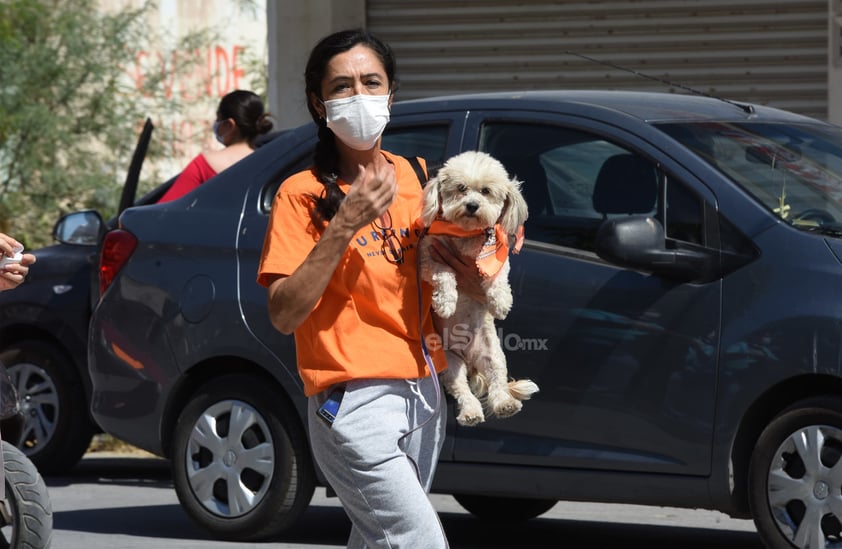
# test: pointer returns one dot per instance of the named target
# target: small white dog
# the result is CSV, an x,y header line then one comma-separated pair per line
x,y
474,204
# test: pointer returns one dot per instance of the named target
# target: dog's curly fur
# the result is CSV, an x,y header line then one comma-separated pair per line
x,y
474,191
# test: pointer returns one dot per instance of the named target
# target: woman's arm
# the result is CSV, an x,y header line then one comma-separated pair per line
x,y
292,298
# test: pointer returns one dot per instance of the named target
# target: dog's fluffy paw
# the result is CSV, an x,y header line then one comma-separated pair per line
x,y
506,407
470,415
445,293
499,310
469,420
499,304
444,304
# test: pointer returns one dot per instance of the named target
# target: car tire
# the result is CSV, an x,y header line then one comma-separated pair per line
x,y
500,509
267,465
793,485
57,427
28,518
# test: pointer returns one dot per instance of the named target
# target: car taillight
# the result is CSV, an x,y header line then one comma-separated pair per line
x,y
117,248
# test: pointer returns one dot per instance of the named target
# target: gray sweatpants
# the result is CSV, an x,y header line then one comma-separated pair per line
x,y
374,472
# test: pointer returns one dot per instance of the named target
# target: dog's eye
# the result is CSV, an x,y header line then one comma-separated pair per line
x,y
461,187
485,190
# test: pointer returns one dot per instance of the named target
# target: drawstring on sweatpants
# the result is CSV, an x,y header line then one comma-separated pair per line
x,y
416,390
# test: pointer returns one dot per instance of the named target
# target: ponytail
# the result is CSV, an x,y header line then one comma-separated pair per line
x,y
326,169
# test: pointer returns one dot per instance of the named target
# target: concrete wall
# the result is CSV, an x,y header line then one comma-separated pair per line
x,y
294,27
238,34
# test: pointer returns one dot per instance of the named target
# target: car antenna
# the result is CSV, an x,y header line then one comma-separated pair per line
x,y
749,109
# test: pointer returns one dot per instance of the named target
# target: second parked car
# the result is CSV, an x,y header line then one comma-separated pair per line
x,y
675,301
44,333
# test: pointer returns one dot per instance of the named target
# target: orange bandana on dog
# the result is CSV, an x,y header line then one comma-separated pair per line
x,y
493,254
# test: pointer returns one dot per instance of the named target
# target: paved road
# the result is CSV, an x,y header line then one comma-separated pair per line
x,y
129,503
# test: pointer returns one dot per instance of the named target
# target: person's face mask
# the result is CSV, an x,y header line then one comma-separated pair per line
x,y
216,132
359,120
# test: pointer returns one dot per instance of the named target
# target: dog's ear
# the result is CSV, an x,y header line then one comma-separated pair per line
x,y
431,203
515,210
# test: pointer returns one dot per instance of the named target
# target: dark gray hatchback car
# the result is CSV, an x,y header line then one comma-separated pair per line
x,y
677,302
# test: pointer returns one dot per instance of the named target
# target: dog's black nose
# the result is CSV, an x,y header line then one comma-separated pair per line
x,y
472,207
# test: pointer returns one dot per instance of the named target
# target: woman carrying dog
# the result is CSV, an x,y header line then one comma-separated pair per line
x,y
339,263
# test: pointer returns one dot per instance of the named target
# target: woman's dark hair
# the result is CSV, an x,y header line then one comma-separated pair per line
x,y
246,109
326,157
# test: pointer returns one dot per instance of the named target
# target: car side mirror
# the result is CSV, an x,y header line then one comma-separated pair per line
x,y
639,242
79,228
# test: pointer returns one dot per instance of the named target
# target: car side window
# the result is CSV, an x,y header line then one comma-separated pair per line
x,y
684,214
427,141
572,180
300,163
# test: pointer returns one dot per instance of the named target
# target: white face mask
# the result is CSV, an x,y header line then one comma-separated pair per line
x,y
359,120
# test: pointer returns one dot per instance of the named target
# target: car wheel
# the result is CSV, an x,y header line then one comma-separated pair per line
x,y
795,477
27,514
504,509
57,428
241,463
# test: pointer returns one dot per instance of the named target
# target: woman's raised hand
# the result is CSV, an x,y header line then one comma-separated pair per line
x,y
372,192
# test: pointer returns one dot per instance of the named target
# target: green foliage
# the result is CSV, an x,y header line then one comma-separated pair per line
x,y
72,106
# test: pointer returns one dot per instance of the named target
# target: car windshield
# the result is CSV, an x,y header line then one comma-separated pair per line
x,y
795,170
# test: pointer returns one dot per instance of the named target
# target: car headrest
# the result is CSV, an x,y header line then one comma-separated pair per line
x,y
626,183
534,179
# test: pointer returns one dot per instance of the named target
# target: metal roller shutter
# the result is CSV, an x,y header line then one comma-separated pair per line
x,y
772,52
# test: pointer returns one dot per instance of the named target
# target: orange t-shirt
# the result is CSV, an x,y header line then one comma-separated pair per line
x,y
366,324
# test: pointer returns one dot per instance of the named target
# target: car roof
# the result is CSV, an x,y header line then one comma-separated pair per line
x,y
645,106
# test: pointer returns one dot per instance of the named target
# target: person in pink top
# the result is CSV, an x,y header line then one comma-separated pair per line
x,y
240,120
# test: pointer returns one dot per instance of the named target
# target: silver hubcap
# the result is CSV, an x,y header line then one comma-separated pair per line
x,y
38,397
230,458
805,487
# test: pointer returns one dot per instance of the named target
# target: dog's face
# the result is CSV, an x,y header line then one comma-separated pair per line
x,y
474,191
